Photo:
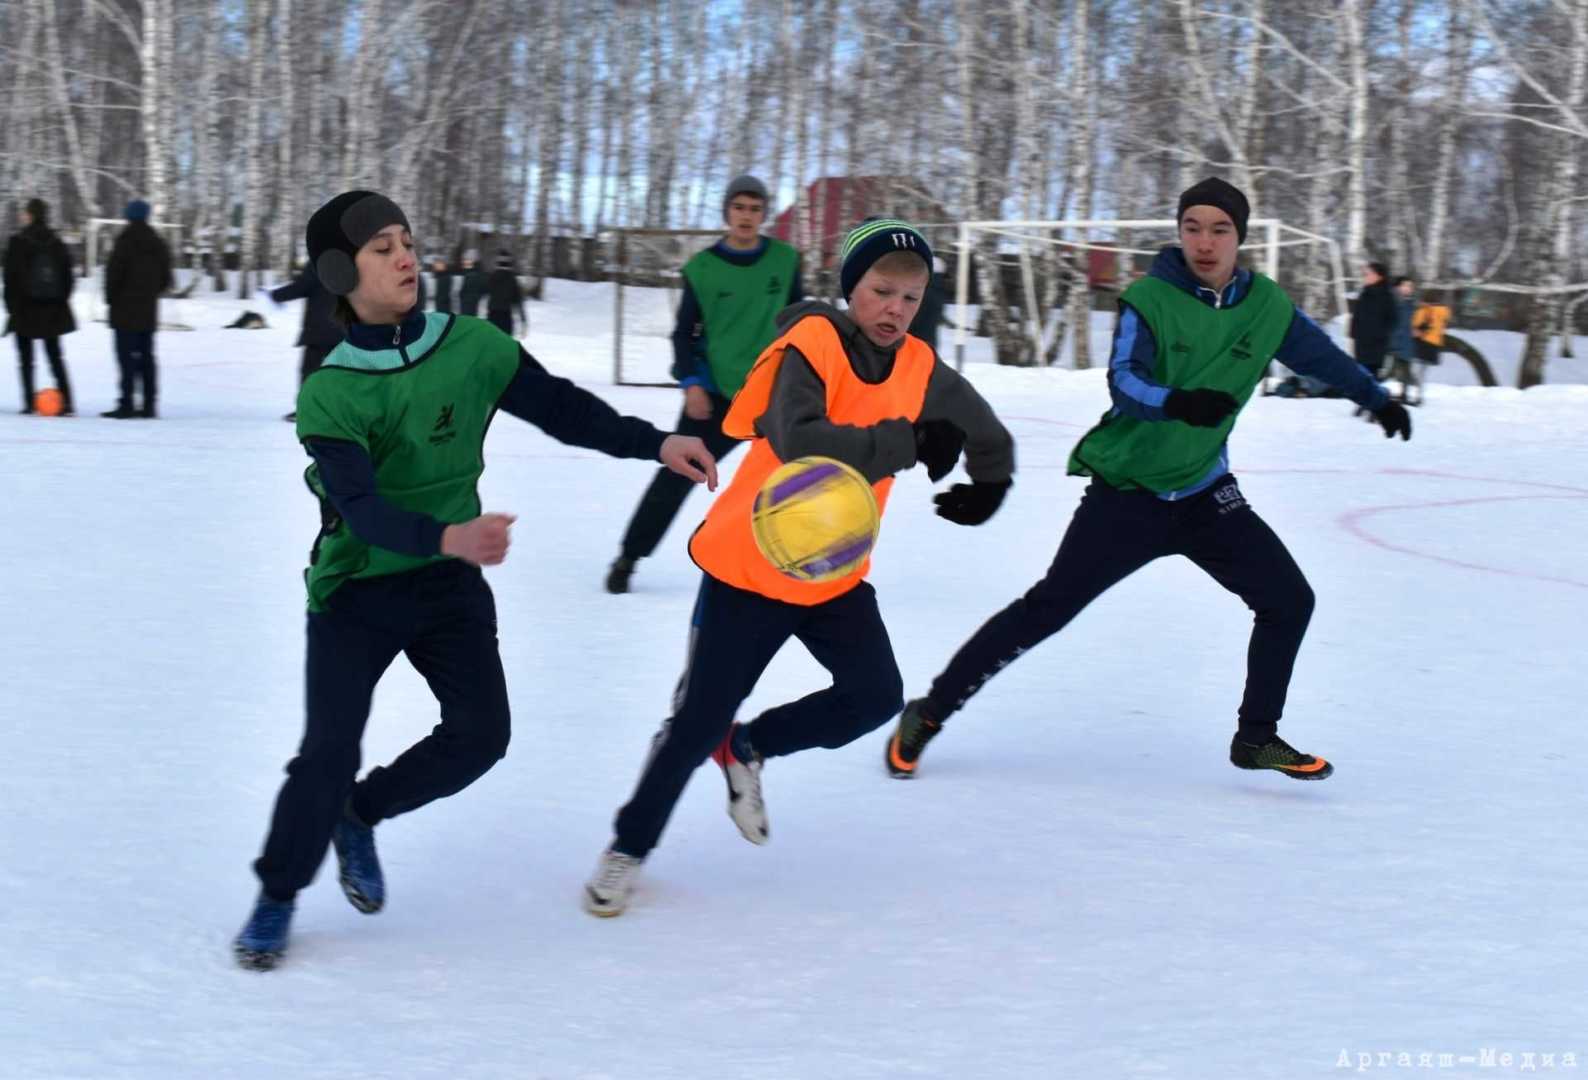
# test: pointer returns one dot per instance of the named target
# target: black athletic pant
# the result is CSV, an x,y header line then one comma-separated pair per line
x,y
502,320
443,618
52,350
135,358
1115,533
734,637
661,502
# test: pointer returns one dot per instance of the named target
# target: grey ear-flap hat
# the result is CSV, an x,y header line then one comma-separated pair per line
x,y
339,228
744,184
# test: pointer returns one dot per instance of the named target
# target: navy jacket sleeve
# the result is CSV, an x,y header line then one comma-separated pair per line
x,y
573,415
1307,350
796,288
689,345
1130,365
297,289
348,476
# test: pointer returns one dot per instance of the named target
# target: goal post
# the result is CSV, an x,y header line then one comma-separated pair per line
x,y
646,267
170,230
95,245
1272,237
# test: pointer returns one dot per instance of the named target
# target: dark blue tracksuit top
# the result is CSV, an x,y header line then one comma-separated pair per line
x,y
1306,350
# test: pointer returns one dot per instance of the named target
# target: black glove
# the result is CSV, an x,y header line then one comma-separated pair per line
x,y
973,503
1199,408
937,446
1394,419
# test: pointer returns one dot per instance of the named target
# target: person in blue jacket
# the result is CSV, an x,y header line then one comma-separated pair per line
x,y
1193,340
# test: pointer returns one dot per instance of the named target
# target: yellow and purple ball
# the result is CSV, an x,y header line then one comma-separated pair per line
x,y
815,519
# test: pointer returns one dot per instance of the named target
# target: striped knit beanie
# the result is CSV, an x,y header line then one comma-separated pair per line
x,y
870,241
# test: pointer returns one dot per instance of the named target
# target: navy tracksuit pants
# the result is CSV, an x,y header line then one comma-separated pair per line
x,y
735,635
135,357
1115,533
443,618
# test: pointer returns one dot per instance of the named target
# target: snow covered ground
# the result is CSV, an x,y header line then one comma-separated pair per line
x,y
1077,885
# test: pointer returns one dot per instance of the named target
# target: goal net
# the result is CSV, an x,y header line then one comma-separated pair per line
x,y
645,267
1042,276
99,237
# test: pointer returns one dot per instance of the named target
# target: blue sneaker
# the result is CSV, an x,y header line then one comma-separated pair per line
x,y
357,863
264,939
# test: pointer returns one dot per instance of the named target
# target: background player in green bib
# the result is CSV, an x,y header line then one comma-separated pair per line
x,y
395,420
732,293
1193,340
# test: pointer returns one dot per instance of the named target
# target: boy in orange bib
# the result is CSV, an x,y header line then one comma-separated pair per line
x,y
851,385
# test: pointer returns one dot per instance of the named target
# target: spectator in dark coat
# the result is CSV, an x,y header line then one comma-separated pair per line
x,y
443,278
503,297
1373,318
138,272
320,332
473,287
38,286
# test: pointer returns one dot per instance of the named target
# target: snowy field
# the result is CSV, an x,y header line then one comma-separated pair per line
x,y
1077,885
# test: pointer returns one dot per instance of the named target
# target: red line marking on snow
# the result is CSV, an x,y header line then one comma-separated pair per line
x,y
1352,520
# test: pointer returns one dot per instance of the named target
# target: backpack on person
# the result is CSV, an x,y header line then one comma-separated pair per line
x,y
46,283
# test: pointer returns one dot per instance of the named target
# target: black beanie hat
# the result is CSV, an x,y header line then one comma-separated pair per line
x,y
339,228
1221,194
40,211
871,240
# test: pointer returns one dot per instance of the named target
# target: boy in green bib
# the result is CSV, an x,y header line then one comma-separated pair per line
x,y
395,420
733,292
1193,340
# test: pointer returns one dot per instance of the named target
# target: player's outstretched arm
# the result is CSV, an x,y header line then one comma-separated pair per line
x,y
573,415
688,456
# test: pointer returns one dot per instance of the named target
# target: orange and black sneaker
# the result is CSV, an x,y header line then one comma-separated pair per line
x,y
1280,756
915,729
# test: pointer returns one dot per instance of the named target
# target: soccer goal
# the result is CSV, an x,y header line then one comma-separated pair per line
x,y
646,270
99,235
1309,265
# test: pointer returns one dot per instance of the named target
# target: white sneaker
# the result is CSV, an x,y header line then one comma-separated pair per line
x,y
745,805
607,892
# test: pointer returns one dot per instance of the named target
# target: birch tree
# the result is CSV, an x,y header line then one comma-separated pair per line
x,y
254,171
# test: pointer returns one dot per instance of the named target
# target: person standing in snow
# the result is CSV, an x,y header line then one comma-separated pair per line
x,y
851,385
138,273
1193,340
732,293
38,291
395,422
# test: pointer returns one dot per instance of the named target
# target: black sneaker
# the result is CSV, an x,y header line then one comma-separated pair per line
x,y
1280,756
618,575
915,729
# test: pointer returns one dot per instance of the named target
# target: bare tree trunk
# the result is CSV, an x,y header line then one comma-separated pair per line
x,y
1552,237
360,102
253,156
551,80
291,232
1457,64
54,65
1079,315
155,15
583,90
1356,137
